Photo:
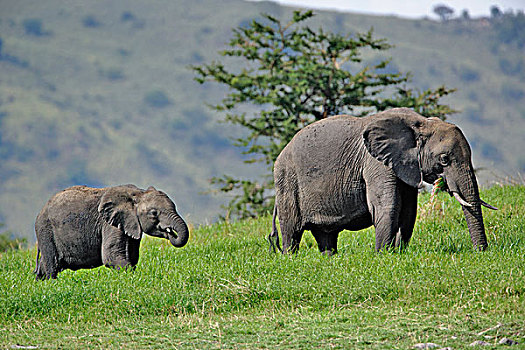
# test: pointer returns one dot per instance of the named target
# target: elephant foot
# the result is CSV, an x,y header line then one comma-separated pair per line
x,y
121,266
274,243
44,276
329,252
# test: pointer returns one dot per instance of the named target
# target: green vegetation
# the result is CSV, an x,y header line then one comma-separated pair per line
x,y
225,290
510,28
8,241
157,99
296,75
33,26
102,94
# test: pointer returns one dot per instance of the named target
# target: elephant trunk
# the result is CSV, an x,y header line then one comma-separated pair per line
x,y
466,188
475,225
182,232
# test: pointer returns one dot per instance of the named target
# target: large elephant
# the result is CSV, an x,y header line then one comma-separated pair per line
x,y
351,173
83,227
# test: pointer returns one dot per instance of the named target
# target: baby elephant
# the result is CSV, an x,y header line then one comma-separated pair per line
x,y
83,227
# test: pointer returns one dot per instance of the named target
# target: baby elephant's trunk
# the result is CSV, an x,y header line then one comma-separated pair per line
x,y
180,237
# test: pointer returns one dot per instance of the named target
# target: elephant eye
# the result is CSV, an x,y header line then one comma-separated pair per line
x,y
153,213
444,160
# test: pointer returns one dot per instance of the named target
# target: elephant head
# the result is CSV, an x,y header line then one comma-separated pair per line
x,y
421,149
136,211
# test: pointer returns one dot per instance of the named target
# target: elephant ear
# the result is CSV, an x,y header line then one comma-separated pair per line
x,y
392,140
117,207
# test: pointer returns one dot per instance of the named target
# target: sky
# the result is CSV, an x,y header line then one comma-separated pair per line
x,y
410,8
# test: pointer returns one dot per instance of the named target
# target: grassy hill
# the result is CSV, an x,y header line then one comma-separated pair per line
x,y
100,93
225,290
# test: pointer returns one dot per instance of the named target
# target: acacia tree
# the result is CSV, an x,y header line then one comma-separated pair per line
x,y
296,76
444,12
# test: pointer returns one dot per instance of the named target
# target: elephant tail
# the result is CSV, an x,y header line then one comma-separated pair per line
x,y
37,268
273,237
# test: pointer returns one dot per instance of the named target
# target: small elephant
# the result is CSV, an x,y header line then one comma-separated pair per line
x,y
351,173
83,227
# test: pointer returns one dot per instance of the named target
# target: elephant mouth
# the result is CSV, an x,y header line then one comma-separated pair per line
x,y
458,195
171,232
167,231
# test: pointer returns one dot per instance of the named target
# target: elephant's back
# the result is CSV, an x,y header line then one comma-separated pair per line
x,y
322,140
75,198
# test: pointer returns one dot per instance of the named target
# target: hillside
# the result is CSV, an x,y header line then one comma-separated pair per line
x,y
100,93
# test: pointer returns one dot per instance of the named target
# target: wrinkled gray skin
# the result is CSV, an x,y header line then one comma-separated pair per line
x,y
351,173
83,227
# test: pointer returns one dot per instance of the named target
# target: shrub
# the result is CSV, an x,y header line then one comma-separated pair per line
x,y
490,151
91,21
469,75
127,16
511,68
34,26
7,241
112,74
512,92
157,99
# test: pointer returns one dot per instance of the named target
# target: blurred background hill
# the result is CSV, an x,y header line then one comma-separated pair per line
x,y
99,93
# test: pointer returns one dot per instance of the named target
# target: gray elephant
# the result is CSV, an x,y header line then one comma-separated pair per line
x,y
83,227
351,173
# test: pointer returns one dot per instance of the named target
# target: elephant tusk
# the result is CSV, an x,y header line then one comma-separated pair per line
x,y
461,200
485,204
171,232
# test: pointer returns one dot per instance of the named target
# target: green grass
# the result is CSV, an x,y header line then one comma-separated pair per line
x,y
225,290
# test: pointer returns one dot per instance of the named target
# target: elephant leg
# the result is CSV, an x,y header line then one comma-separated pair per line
x,y
289,220
407,216
119,250
133,247
291,238
47,263
326,241
384,202
386,231
115,258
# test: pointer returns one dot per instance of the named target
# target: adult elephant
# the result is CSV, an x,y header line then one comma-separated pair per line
x,y
351,173
83,227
